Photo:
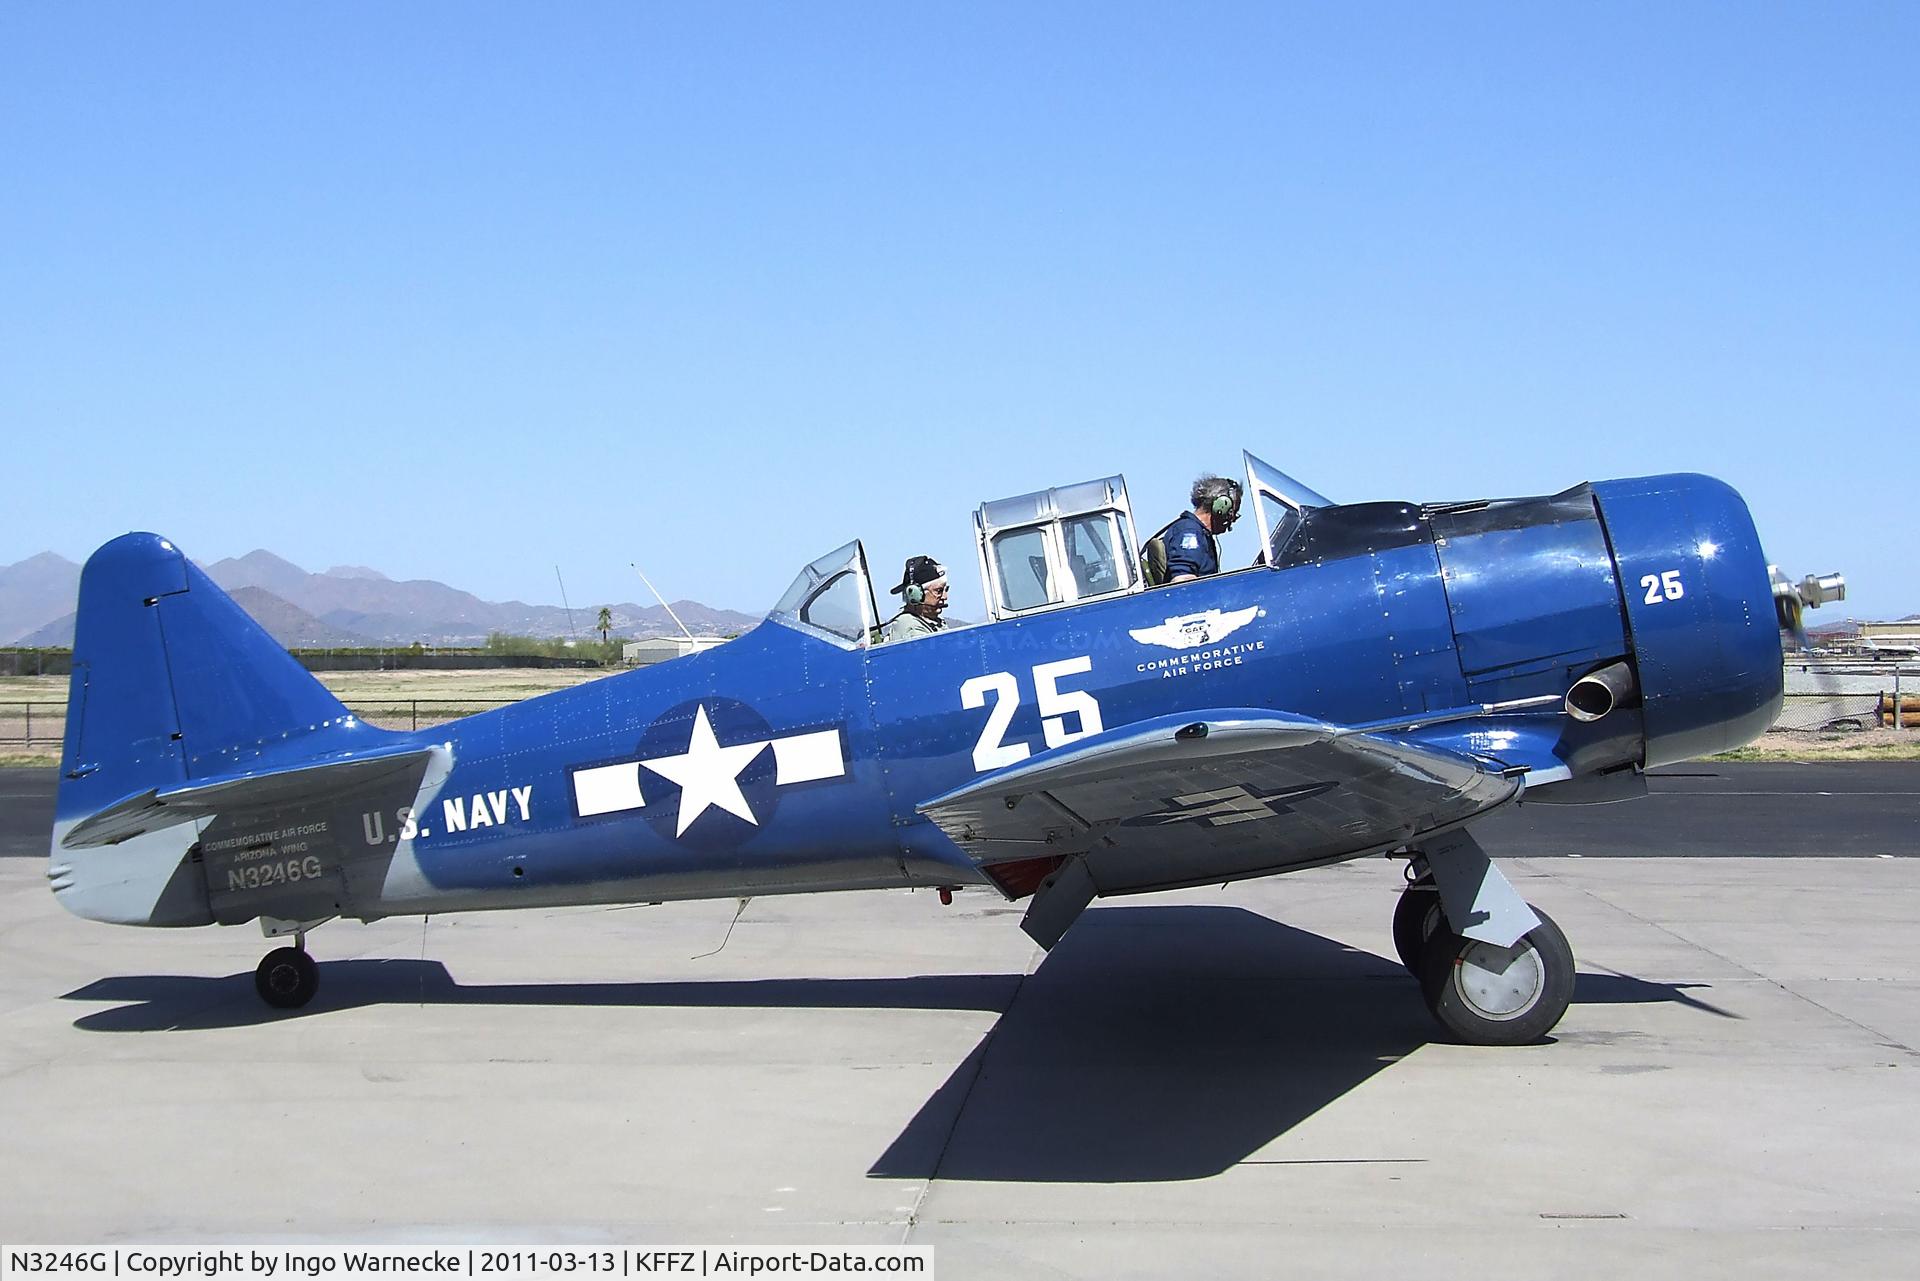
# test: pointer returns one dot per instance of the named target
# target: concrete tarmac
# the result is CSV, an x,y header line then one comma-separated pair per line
x,y
1712,809
1213,1083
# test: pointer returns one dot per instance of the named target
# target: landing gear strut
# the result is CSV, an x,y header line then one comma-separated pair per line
x,y
286,977
1493,969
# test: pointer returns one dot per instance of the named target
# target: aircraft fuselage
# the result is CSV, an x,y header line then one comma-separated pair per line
x,y
788,760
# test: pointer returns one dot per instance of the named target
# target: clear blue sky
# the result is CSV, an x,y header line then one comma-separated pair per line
x,y
464,291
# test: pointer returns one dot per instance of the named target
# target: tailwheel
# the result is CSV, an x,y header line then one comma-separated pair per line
x,y
286,978
1415,918
1488,995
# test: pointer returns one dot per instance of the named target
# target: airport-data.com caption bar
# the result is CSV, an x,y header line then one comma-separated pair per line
x,y
475,1263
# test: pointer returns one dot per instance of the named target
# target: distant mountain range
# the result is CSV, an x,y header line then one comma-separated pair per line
x,y
347,606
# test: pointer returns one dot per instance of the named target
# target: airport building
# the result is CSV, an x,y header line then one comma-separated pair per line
x,y
658,649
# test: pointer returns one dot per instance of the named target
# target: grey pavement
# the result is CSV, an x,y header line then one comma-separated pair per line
x,y
1218,1082
26,811
1709,809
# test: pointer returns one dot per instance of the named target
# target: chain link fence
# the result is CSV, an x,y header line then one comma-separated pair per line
x,y
42,726
1850,696
423,713
1817,713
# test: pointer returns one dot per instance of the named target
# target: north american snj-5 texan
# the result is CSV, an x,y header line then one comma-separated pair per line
x,y
1387,674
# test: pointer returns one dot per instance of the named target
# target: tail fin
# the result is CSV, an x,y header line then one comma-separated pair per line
x,y
173,683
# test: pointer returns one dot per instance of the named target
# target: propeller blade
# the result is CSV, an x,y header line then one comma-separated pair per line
x,y
1791,614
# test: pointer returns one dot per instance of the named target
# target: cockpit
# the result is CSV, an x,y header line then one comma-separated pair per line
x,y
1047,550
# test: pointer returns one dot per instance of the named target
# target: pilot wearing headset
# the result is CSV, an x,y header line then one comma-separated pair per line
x,y
923,593
1192,549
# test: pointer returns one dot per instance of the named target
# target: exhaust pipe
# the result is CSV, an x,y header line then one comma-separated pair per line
x,y
1597,693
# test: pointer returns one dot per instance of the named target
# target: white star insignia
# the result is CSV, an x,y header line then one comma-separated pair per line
x,y
709,774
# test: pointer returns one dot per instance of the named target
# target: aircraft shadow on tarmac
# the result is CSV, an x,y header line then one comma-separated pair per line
x,y
1155,1043
1171,1043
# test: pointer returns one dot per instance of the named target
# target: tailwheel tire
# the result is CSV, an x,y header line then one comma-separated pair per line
x,y
286,978
1487,995
1415,919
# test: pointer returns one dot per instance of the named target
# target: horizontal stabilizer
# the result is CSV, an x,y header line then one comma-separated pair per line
x,y
151,810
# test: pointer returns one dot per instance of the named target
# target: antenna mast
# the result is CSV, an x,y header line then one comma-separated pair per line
x,y
569,607
663,604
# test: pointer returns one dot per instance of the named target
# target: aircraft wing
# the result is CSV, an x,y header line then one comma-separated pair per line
x,y
1170,801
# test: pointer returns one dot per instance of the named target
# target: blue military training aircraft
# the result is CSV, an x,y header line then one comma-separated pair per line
x,y
1387,674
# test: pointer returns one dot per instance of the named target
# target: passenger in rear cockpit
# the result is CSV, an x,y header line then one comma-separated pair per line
x,y
923,594
1187,548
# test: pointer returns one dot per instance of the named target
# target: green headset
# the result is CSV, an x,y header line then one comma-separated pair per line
x,y
1224,504
915,593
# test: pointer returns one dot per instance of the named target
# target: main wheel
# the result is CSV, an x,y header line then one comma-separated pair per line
x,y
1415,917
1487,995
286,978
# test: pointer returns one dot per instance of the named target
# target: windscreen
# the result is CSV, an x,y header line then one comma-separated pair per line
x,y
832,595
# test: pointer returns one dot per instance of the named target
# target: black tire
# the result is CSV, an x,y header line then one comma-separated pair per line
x,y
286,978
1415,918
1485,995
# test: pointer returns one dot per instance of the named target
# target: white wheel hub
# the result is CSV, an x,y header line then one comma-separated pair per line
x,y
1499,983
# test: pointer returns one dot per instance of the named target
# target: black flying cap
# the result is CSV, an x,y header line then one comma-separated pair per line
x,y
921,570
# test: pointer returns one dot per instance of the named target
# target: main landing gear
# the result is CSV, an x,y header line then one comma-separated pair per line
x,y
1505,976
287,977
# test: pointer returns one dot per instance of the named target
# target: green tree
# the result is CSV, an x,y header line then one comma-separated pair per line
x,y
605,623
